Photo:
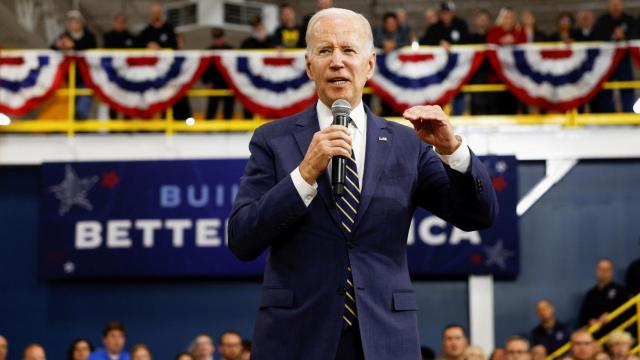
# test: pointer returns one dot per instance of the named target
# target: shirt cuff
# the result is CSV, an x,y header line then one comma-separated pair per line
x,y
460,160
307,192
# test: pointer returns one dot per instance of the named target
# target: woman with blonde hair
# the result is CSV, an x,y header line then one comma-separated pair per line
x,y
619,345
474,352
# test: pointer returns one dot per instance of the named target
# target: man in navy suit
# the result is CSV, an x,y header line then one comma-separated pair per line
x,y
336,283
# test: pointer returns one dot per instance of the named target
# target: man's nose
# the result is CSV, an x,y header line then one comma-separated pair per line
x,y
337,60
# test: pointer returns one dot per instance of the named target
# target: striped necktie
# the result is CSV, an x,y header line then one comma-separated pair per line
x,y
348,209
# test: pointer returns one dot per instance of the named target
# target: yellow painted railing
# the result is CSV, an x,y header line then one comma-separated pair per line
x,y
633,303
170,126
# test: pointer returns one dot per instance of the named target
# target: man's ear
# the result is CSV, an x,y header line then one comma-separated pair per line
x,y
371,64
307,66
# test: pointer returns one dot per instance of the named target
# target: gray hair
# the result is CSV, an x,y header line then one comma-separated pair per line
x,y
339,12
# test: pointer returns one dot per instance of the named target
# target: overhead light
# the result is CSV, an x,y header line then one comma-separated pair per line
x,y
636,107
190,121
4,120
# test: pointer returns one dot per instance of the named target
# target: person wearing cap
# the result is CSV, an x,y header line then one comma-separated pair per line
x,y
77,37
336,282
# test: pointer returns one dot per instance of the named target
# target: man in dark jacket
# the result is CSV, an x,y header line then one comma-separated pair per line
x,y
214,79
603,298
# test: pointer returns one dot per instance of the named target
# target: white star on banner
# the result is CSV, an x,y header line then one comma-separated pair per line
x,y
501,166
497,255
73,191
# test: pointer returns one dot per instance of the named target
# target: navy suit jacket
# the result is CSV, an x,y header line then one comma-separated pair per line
x,y
302,299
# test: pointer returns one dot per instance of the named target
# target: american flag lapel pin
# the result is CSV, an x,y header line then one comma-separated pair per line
x,y
382,138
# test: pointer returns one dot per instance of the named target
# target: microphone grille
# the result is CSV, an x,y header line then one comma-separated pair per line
x,y
341,107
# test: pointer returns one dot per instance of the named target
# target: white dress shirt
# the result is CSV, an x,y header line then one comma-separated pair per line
x,y
459,160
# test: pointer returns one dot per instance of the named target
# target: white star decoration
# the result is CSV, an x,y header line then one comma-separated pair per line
x,y
501,166
69,267
73,190
497,255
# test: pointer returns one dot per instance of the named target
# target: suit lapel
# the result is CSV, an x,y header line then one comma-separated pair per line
x,y
307,126
377,151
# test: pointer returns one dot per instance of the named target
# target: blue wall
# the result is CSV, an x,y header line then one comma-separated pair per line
x,y
591,213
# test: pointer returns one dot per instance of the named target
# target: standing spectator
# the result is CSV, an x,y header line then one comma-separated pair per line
x,y
4,348
632,278
616,25
582,345
474,352
214,79
430,18
584,28
619,344
403,25
288,35
538,352
550,333
528,21
77,37
118,37
482,103
564,28
259,39
449,29
517,348
80,349
604,297
202,347
388,36
159,34
140,352
34,352
230,345
454,343
113,339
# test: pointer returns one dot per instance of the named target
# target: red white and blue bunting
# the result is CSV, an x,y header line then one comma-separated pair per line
x,y
428,75
555,77
268,83
28,78
141,83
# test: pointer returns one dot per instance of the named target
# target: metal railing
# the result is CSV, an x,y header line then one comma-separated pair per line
x,y
617,314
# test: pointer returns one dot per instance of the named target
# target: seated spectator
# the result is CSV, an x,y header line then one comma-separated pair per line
x,y
582,345
185,356
288,35
202,347
604,297
246,350
80,349
498,354
113,339
388,36
454,343
230,347
632,278
538,352
4,348
214,79
77,37
531,30
140,352
619,344
549,332
34,352
474,352
517,348
564,28
584,28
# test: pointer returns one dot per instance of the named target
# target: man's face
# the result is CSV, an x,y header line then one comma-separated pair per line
x,y
585,19
446,16
538,352
114,341
390,24
231,347
81,350
74,25
339,59
615,7
155,13
604,271
482,22
582,347
288,16
119,23
517,350
454,342
204,347
545,311
34,353
4,348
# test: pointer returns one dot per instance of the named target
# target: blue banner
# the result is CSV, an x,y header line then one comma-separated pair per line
x,y
168,219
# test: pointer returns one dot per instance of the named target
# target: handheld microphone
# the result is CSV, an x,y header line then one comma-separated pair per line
x,y
340,110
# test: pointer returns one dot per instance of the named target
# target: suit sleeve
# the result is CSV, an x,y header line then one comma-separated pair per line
x,y
264,207
466,200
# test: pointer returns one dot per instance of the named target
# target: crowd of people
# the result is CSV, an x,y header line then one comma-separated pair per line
x,y
442,27
545,338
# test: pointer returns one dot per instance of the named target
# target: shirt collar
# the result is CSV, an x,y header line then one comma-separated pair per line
x,y
325,118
